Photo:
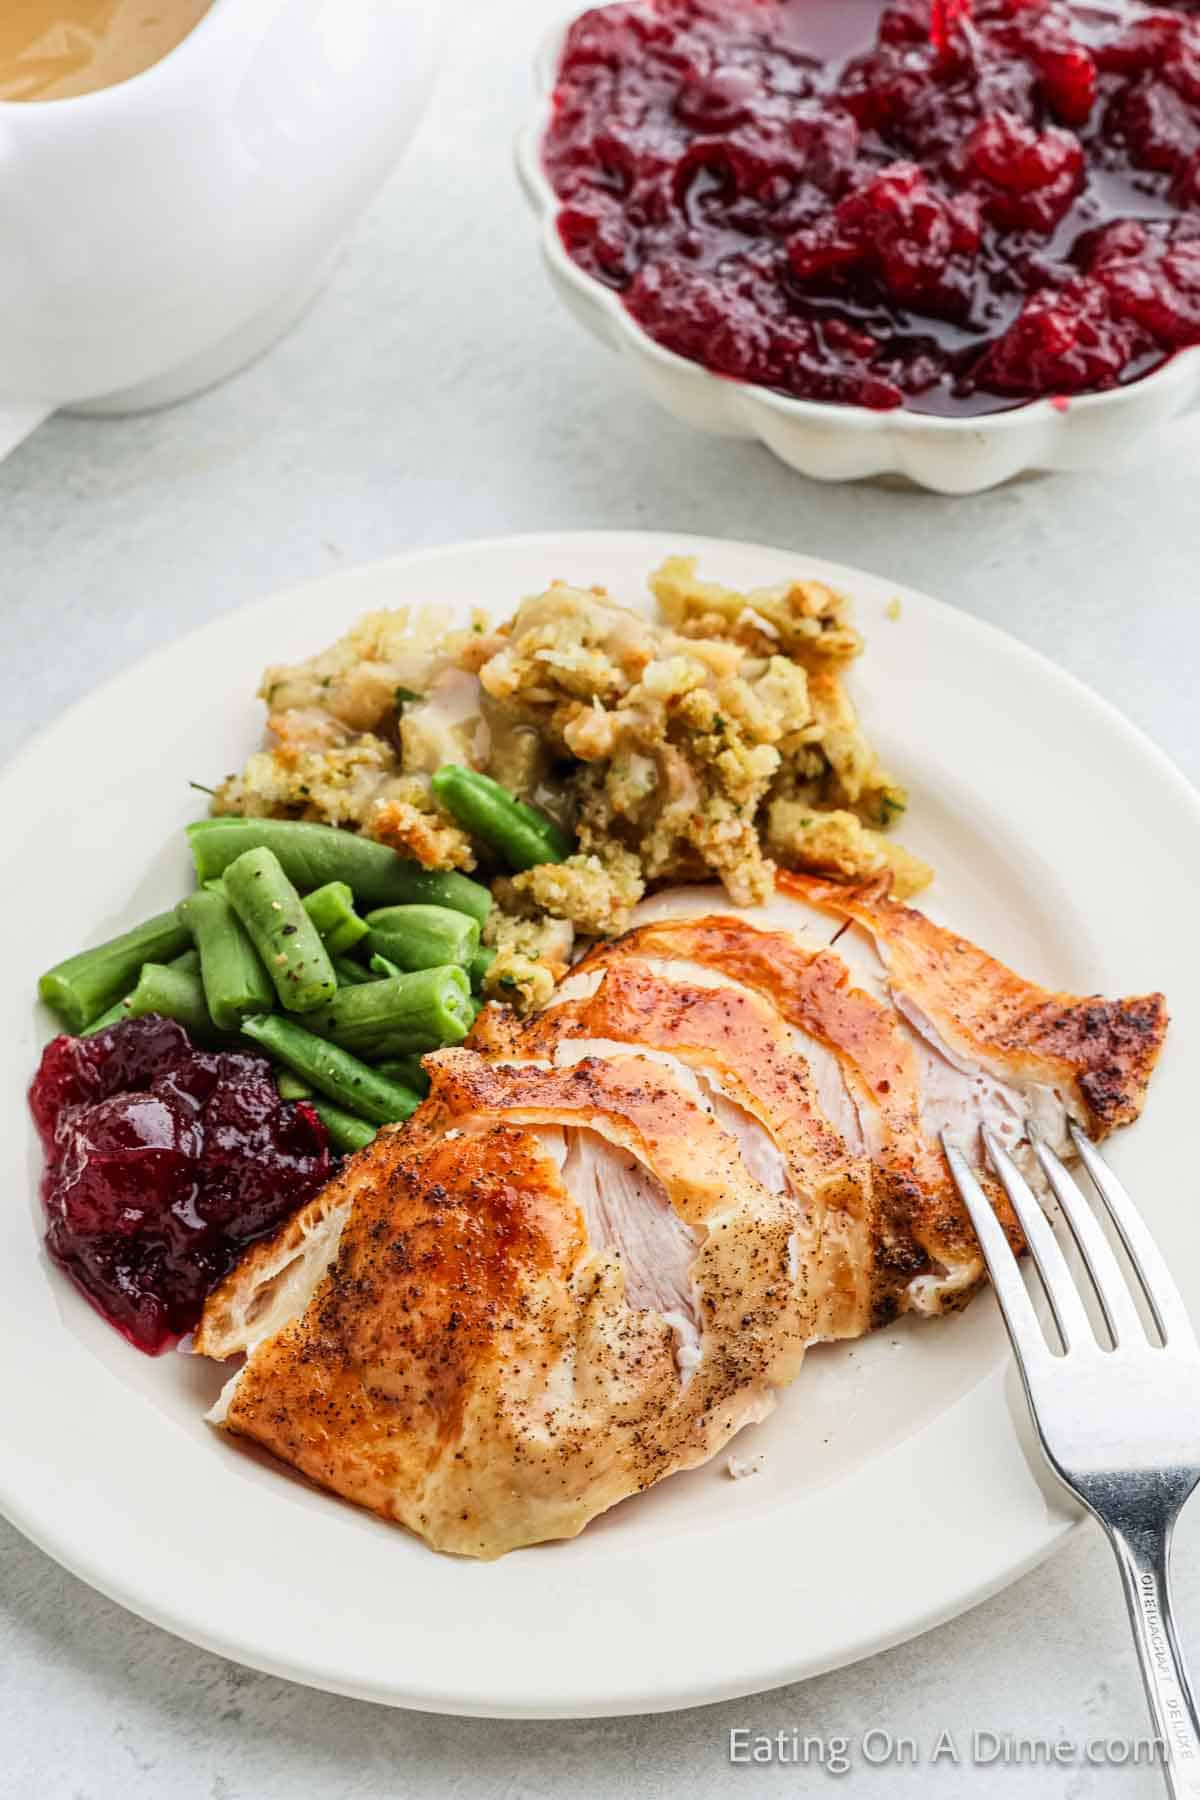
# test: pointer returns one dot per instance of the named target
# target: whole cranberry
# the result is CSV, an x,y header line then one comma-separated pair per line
x,y
1158,126
1027,179
1159,289
1063,341
1142,46
916,241
1043,34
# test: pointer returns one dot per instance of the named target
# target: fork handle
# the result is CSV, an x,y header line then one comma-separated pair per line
x,y
1143,1552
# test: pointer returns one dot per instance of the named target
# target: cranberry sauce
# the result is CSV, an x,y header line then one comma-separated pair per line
x,y
162,1162
865,203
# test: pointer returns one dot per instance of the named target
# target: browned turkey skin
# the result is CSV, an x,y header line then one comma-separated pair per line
x,y
606,1239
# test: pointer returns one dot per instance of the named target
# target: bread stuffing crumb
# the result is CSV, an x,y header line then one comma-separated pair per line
x,y
716,741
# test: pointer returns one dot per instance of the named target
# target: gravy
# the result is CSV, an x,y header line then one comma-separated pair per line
x,y
57,49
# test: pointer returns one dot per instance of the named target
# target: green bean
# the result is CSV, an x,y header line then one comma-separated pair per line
x,y
332,1071
291,1087
398,1016
348,972
331,909
314,855
479,965
189,962
86,985
422,937
521,835
407,1070
281,931
116,1013
175,994
380,965
235,982
347,1132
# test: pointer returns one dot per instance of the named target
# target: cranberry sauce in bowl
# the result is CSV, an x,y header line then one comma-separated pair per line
x,y
162,1163
953,211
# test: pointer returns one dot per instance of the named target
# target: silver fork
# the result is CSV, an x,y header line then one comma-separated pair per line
x,y
1114,1422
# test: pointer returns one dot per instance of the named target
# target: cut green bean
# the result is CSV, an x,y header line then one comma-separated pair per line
x,y
235,982
176,994
115,1015
281,931
118,1012
521,835
407,1071
331,909
422,937
314,855
347,1132
380,965
348,972
291,1087
400,1015
341,1077
479,965
86,985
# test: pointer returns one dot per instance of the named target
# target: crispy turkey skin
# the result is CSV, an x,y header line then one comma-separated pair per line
x,y
606,1239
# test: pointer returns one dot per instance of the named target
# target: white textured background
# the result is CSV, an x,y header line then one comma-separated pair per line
x,y
435,392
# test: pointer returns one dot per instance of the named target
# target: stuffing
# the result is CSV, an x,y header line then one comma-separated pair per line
x,y
716,740
532,956
355,733
685,732
519,981
804,619
839,845
595,896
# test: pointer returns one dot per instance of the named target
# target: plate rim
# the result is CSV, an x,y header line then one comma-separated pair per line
x,y
989,1392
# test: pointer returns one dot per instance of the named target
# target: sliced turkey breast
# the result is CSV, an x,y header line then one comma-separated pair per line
x,y
918,1251
927,1032
1094,1056
514,1330
746,1070
608,1236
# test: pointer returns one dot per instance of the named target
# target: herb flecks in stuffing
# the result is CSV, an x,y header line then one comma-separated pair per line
x,y
532,956
716,741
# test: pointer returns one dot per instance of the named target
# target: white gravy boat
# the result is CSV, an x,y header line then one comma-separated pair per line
x,y
159,233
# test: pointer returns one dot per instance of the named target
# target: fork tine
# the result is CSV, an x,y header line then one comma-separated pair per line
x,y
1158,1284
1074,1326
1112,1289
1024,1328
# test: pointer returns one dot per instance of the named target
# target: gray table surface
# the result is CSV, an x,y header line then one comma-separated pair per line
x,y
436,392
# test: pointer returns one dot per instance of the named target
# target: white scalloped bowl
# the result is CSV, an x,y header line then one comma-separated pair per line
x,y
848,443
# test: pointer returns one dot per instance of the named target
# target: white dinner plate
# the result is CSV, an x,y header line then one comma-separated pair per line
x,y
894,1490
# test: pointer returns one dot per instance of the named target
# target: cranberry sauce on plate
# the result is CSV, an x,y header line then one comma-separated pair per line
x,y
953,211
162,1163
